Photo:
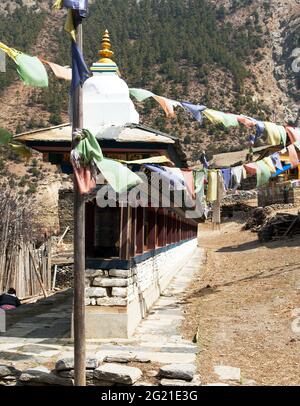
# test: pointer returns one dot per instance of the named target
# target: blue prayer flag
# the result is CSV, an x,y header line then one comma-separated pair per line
x,y
80,5
194,109
80,72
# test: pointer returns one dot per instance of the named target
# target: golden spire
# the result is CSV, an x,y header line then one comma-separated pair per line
x,y
106,53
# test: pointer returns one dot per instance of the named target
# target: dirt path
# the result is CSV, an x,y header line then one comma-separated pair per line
x,y
245,303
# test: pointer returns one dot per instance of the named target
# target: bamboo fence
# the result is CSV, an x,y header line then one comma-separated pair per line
x,y
26,269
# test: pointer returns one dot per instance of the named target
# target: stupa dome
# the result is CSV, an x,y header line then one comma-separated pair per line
x,y
106,100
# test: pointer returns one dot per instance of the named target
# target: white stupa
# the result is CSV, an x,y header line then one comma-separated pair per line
x,y
106,100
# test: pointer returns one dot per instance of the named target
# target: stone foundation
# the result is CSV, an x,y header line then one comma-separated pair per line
x,y
117,299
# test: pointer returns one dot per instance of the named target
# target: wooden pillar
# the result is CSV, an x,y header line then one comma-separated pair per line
x,y
160,228
152,229
133,232
125,235
180,229
169,228
140,230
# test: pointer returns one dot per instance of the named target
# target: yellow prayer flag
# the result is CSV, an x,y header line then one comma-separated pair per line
x,y
12,53
58,4
69,25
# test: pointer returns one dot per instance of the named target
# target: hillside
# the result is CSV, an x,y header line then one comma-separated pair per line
x,y
235,57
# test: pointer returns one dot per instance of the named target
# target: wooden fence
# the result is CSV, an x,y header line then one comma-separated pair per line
x,y
27,269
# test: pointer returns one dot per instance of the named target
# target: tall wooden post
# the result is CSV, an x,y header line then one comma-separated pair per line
x,y
79,242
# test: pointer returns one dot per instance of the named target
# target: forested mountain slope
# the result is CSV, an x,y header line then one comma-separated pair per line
x,y
231,55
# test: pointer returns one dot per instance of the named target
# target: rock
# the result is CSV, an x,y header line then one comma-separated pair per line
x,y
87,301
95,292
111,282
185,372
125,357
95,382
227,373
122,358
112,301
32,377
119,292
40,368
70,374
93,302
93,273
118,374
142,360
120,273
8,371
66,364
217,384
249,382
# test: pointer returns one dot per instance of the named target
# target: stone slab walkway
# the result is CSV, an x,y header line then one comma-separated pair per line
x,y
40,335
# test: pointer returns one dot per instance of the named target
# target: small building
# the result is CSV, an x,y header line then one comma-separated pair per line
x,y
132,253
284,188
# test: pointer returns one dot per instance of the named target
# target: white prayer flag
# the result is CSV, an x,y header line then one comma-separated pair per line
x,y
2,61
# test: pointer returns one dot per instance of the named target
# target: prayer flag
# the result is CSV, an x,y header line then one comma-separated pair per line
x,y
30,69
88,153
195,110
2,61
61,72
5,136
69,25
80,5
140,94
167,105
80,72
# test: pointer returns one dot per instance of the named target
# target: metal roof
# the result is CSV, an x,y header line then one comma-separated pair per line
x,y
128,133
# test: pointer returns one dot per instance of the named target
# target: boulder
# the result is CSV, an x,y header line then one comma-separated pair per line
x,y
35,377
184,372
8,371
70,374
118,374
112,282
66,364
120,273
95,292
93,273
228,373
111,301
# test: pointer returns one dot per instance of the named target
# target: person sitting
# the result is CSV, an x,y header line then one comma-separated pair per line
x,y
9,300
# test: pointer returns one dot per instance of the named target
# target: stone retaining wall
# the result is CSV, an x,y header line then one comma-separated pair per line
x,y
123,297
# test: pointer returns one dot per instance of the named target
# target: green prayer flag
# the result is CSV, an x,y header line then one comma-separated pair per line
x,y
120,178
283,134
5,136
141,94
31,70
199,177
263,173
218,117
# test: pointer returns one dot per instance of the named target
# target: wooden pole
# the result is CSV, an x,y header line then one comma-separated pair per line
x,y
37,273
79,242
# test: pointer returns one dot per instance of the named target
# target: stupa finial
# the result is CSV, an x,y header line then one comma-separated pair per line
x,y
106,53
